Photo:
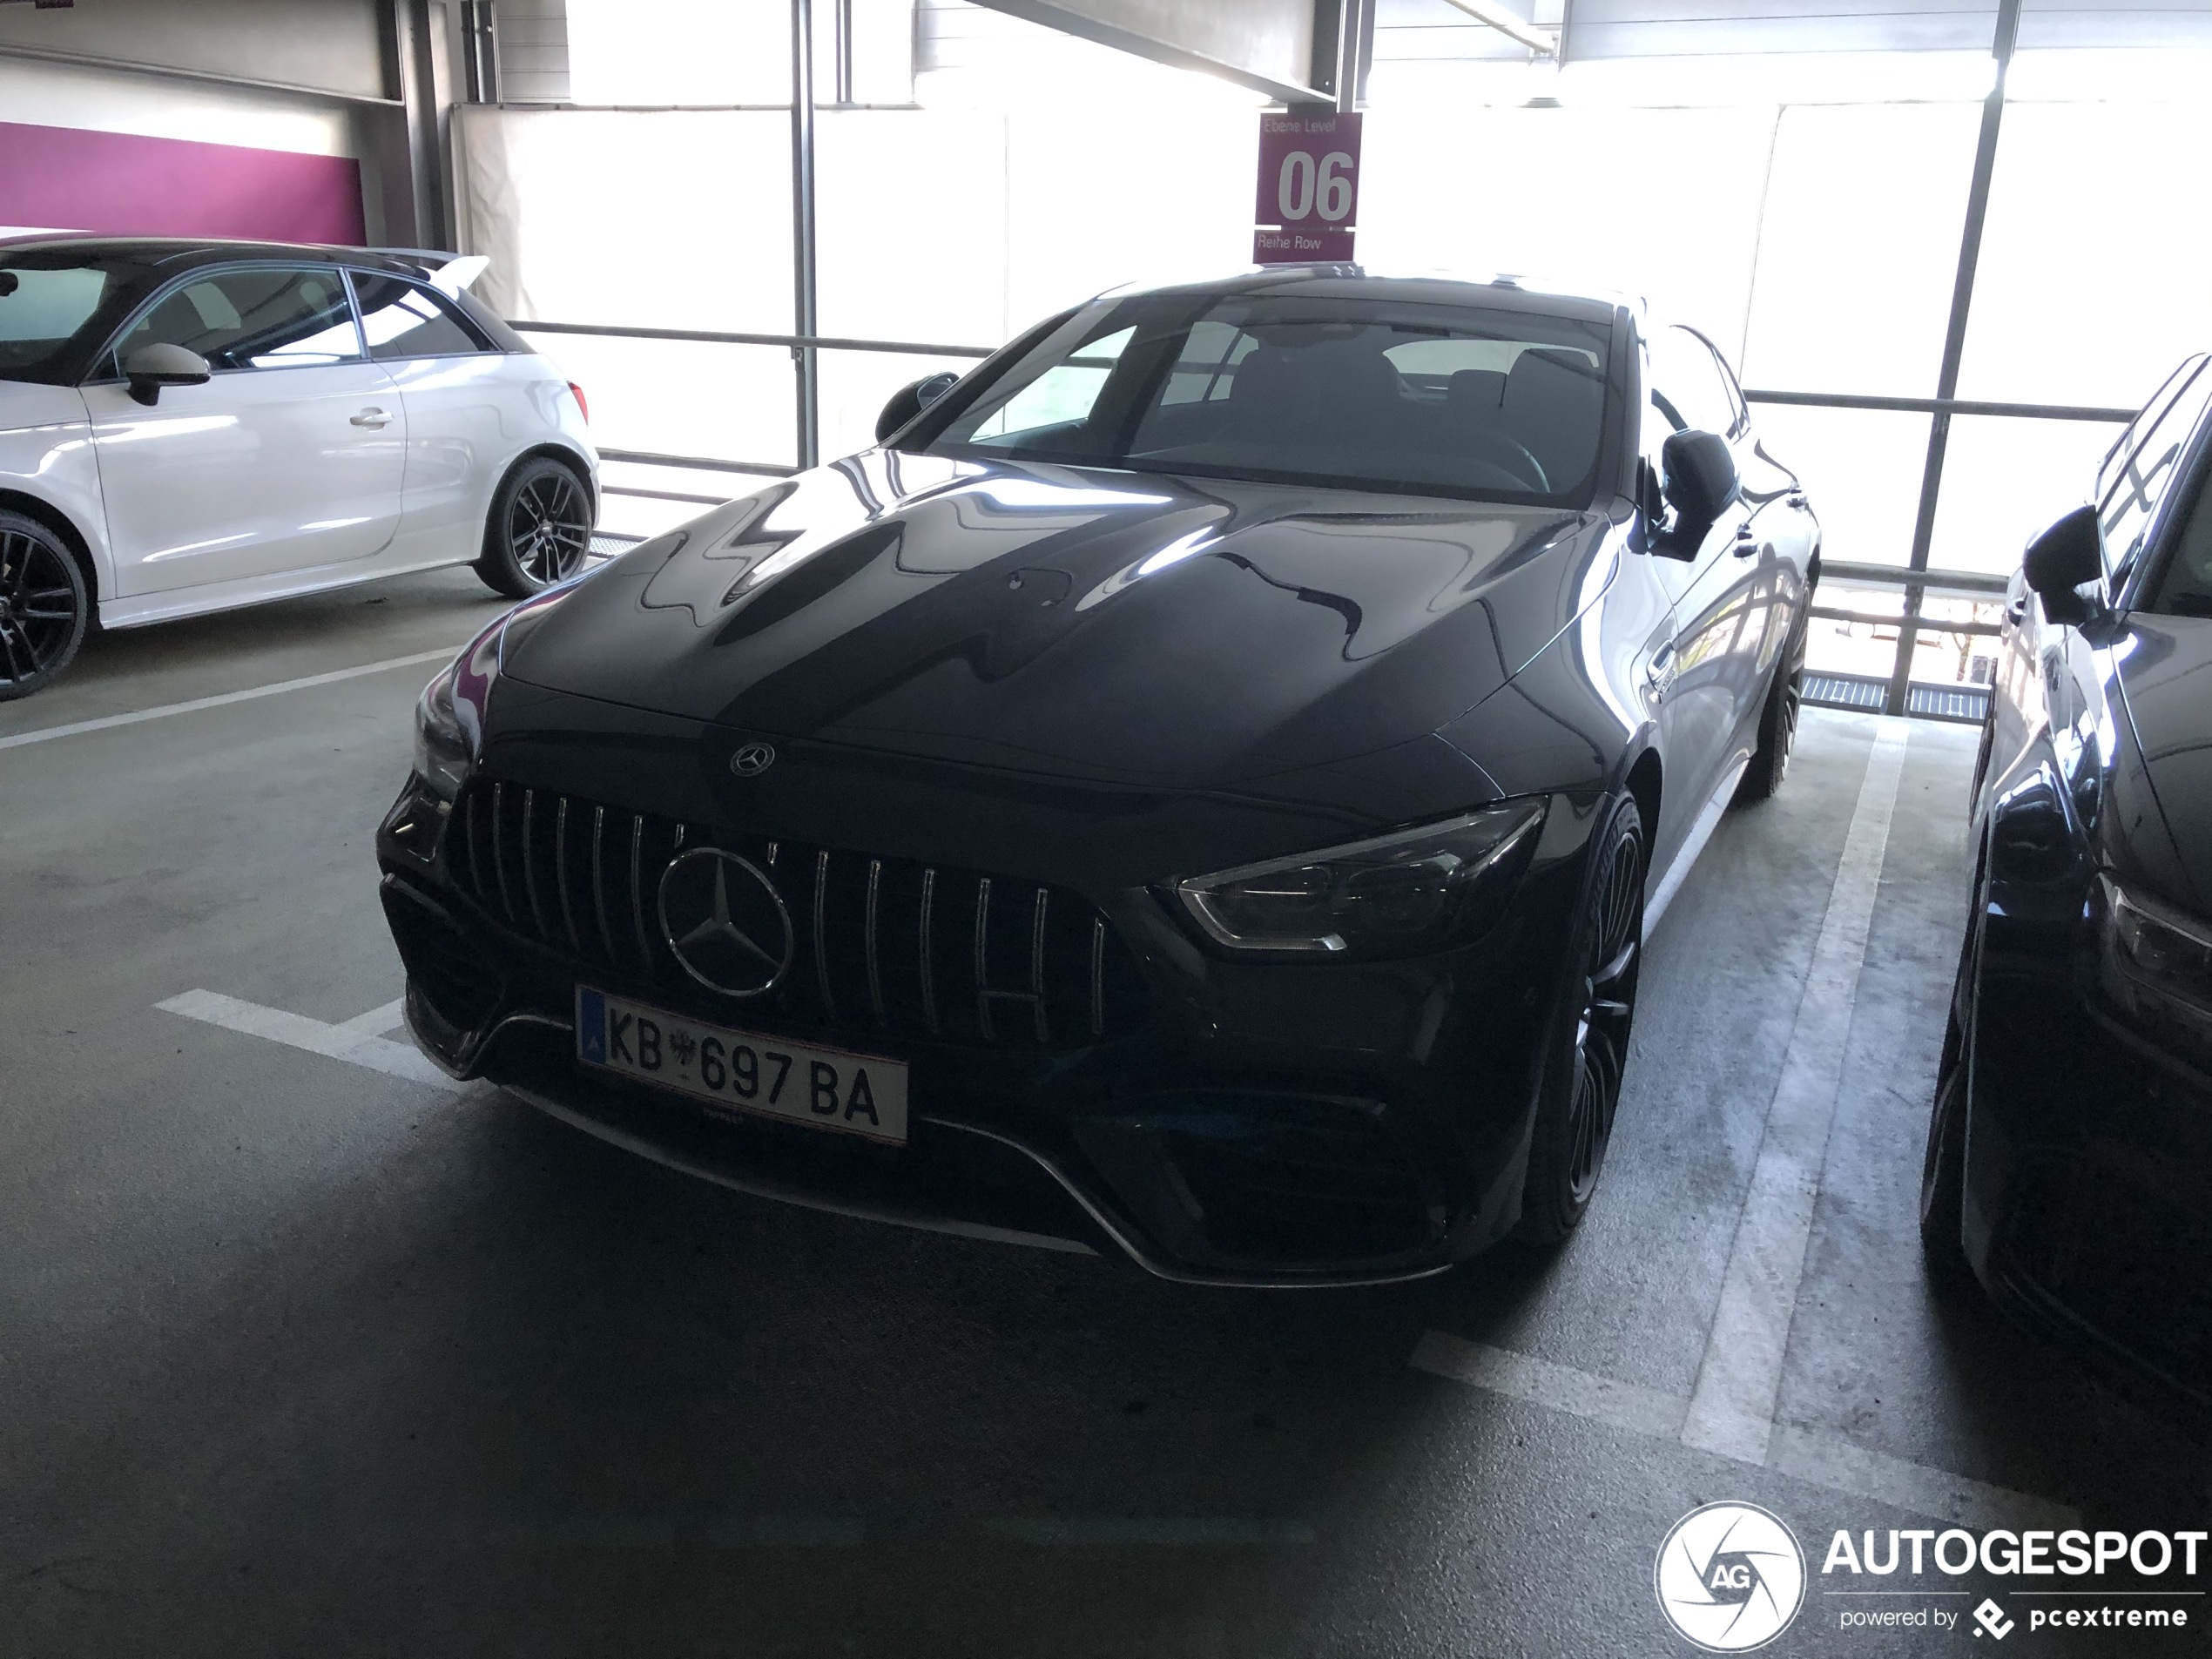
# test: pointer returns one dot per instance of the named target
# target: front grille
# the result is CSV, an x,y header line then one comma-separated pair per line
x,y
882,945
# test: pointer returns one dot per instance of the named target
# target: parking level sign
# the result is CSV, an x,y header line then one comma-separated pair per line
x,y
1309,188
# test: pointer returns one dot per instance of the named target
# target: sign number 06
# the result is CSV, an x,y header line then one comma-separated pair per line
x,y
1301,189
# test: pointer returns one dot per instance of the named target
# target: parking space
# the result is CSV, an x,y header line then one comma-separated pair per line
x,y
306,1349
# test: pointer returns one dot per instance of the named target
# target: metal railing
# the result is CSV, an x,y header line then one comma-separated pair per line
x,y
1917,584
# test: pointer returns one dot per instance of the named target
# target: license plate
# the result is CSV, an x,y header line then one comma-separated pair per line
x,y
832,1089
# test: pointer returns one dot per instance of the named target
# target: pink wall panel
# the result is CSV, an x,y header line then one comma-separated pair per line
x,y
119,184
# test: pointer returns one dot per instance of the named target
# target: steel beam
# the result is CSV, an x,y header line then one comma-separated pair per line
x,y
803,358
1265,45
1954,344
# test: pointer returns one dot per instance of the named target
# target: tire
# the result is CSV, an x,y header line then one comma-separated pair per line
x,y
1582,1089
1943,1165
539,530
1778,725
44,606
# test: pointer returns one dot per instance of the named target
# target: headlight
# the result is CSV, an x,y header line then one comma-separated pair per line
x,y
449,715
2156,964
443,755
1392,896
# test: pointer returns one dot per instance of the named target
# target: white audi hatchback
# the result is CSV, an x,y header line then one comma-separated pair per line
x,y
188,427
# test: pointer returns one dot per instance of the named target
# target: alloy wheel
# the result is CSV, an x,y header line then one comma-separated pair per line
x,y
1793,697
547,529
39,606
1609,1006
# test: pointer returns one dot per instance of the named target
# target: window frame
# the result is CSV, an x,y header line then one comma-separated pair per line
x,y
2162,531
468,325
1739,411
106,368
2159,515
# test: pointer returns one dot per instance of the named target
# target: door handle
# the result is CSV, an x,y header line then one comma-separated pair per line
x,y
1660,674
1798,500
1746,541
371,417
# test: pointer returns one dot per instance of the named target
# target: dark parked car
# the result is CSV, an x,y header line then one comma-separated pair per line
x,y
2069,1155
1192,789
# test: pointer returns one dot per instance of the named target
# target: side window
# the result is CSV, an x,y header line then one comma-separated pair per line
x,y
1689,386
404,318
2139,482
1060,396
2185,587
2171,388
254,318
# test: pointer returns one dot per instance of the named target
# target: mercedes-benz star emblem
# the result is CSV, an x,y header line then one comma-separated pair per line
x,y
724,920
752,759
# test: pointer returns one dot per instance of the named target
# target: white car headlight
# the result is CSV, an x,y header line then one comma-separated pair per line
x,y
1392,896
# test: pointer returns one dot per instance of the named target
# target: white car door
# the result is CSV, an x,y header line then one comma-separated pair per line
x,y
470,408
289,458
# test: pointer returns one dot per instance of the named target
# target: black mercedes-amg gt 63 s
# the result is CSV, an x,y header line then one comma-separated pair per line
x,y
1193,789
2069,1155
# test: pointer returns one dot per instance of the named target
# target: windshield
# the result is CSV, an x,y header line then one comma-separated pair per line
x,y
47,300
1359,393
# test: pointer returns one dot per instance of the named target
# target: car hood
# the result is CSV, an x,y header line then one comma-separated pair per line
x,y
2164,667
1106,625
26,403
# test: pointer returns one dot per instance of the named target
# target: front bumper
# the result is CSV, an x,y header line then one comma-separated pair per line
x,y
1215,1123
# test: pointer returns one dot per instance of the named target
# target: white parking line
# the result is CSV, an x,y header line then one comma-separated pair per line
x,y
1731,1409
376,1021
1809,1454
355,1042
76,728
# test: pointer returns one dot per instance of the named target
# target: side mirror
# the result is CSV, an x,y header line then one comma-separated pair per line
x,y
910,400
2069,555
151,368
1701,479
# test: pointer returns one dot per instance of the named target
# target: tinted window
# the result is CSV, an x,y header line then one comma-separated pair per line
x,y
48,299
1064,393
1363,393
2185,588
2144,472
1689,386
404,318
258,319
2171,388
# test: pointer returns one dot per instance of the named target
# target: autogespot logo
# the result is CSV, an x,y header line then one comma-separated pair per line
x,y
1729,1577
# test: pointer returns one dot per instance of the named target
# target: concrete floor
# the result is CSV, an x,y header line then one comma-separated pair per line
x,y
299,1356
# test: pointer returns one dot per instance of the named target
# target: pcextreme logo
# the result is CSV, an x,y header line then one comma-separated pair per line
x,y
1729,1577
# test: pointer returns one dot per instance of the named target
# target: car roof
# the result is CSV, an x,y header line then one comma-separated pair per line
x,y
1501,292
178,252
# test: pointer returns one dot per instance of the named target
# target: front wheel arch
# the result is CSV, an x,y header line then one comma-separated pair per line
x,y
497,563
79,546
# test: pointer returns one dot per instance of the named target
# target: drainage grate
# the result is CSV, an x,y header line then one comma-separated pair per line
x,y
605,544
1845,691
1969,704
